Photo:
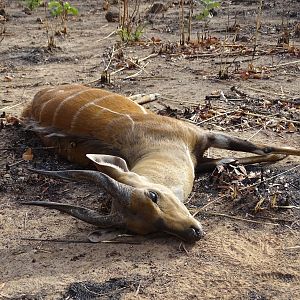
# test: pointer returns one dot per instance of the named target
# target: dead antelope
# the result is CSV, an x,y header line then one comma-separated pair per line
x,y
145,161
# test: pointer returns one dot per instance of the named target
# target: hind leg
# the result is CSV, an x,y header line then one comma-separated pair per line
x,y
209,164
223,141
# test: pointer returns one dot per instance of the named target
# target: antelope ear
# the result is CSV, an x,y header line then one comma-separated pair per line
x,y
108,163
116,167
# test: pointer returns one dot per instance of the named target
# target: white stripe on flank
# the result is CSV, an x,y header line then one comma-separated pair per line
x,y
140,106
117,113
102,109
143,110
51,135
107,109
50,90
64,102
190,161
131,121
42,108
81,109
53,98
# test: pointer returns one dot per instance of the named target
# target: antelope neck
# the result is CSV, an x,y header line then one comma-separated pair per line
x,y
172,167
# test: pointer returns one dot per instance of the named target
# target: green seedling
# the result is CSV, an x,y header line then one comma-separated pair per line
x,y
130,27
61,9
208,6
57,9
131,35
33,4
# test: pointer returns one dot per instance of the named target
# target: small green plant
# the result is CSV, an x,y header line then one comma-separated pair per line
x,y
57,9
61,9
205,15
131,35
130,26
33,4
208,6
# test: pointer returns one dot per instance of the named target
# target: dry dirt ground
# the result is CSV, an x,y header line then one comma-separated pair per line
x,y
245,254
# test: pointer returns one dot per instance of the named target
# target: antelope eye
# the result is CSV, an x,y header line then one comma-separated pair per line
x,y
153,196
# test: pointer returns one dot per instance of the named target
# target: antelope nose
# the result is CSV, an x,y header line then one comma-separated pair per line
x,y
197,233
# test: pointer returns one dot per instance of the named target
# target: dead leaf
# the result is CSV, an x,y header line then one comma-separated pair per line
x,y
220,168
261,76
237,172
27,155
273,201
253,175
258,206
244,75
12,120
243,170
8,78
292,128
235,192
155,39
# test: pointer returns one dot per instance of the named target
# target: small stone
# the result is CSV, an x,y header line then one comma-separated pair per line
x,y
39,20
112,16
21,179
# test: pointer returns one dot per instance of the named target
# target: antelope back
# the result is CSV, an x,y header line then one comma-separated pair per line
x,y
78,120
78,109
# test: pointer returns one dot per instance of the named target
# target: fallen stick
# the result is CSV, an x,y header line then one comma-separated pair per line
x,y
106,37
284,64
143,99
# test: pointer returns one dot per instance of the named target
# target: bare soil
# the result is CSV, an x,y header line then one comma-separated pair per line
x,y
246,253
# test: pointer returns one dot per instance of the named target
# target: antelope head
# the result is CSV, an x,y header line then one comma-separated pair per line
x,y
138,205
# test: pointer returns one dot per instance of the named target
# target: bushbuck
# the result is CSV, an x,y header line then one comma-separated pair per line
x,y
145,161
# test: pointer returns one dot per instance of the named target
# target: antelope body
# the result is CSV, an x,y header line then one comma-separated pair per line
x,y
145,161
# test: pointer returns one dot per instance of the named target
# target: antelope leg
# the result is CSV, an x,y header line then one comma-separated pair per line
x,y
209,164
81,213
223,141
249,160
